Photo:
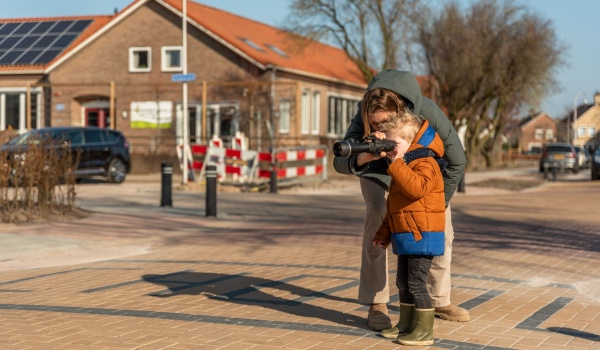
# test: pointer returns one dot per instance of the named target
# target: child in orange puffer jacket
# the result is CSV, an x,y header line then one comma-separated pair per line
x,y
414,222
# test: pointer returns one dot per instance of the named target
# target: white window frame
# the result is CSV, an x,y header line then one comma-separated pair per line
x,y
591,131
581,131
305,113
549,134
538,133
165,59
132,66
284,116
339,119
316,112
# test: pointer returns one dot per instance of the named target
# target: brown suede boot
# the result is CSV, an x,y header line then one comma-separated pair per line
x,y
452,313
378,318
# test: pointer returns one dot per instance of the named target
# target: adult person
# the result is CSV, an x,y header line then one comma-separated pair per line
x,y
397,91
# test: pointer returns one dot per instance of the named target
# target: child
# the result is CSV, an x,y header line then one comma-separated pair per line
x,y
414,222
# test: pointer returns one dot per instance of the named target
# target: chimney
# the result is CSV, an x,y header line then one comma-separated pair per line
x,y
597,98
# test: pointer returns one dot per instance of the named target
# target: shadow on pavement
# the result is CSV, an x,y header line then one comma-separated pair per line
x,y
246,290
575,333
543,235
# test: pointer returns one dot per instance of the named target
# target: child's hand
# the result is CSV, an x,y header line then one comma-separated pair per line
x,y
398,155
380,244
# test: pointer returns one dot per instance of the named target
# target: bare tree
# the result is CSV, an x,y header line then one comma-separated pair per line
x,y
373,33
488,62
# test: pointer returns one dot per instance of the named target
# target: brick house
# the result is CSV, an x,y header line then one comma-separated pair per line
x,y
585,128
530,133
118,71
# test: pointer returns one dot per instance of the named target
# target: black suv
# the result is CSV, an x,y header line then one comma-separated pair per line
x,y
102,152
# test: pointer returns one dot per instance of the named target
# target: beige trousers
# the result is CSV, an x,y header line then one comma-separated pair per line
x,y
374,284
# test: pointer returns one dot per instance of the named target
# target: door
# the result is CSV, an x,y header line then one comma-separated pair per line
x,y
99,117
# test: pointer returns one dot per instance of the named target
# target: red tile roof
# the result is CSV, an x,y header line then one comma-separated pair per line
x,y
315,59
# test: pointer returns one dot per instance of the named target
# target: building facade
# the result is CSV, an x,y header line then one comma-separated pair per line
x,y
585,127
129,71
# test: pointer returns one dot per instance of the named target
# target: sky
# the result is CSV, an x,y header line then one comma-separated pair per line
x,y
573,21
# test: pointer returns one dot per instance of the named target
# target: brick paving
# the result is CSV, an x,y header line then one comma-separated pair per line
x,y
280,271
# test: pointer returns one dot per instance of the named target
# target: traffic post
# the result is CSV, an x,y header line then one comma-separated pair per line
x,y
211,190
166,185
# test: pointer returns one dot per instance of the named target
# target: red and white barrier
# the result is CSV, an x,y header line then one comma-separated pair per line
x,y
247,166
315,163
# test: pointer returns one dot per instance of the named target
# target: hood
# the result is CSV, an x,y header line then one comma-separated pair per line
x,y
428,138
401,82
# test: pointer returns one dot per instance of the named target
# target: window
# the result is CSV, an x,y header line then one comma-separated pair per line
x,y
305,114
591,131
13,109
549,134
538,134
277,50
284,116
316,113
341,111
252,44
140,59
581,131
93,136
171,59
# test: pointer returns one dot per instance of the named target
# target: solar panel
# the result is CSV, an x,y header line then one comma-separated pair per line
x,y
7,28
42,27
37,42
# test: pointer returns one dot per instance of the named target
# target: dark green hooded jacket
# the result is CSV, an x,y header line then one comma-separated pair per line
x,y
405,84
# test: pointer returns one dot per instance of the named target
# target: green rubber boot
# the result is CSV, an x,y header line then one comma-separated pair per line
x,y
406,324
423,333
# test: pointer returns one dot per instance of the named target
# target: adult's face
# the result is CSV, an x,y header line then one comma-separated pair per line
x,y
377,118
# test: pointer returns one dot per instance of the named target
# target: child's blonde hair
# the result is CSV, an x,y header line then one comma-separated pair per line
x,y
405,125
380,99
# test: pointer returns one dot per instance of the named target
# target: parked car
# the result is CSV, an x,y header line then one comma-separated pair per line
x,y
583,157
595,164
559,155
101,152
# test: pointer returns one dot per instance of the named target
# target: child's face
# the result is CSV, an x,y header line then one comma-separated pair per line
x,y
401,146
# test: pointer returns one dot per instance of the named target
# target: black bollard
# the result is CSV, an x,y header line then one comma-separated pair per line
x,y
211,190
554,169
166,185
273,188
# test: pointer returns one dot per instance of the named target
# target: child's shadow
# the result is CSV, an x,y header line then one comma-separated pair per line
x,y
247,290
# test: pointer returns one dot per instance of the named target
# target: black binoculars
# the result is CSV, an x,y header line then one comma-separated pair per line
x,y
371,145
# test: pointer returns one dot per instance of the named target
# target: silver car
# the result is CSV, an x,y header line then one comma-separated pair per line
x,y
559,155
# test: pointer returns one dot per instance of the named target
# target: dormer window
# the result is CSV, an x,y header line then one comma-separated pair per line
x,y
252,44
277,50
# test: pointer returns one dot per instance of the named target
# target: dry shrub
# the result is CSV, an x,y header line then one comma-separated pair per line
x,y
35,181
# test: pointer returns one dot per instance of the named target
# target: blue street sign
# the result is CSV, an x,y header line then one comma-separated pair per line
x,y
180,78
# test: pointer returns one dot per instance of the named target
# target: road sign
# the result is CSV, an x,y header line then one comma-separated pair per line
x,y
180,78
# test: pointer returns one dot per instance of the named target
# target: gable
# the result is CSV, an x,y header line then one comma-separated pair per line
x,y
269,46
590,116
262,45
541,120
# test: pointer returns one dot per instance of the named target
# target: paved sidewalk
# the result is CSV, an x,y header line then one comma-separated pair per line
x,y
280,271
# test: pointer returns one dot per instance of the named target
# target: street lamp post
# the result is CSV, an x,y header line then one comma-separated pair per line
x,y
574,116
184,114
